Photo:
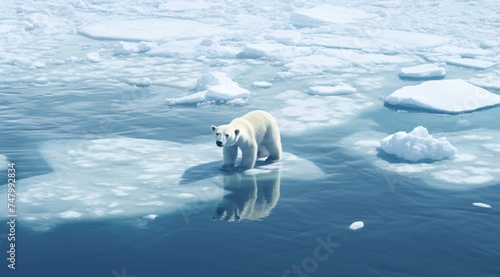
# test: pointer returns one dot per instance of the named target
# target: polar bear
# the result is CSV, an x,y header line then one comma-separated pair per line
x,y
256,134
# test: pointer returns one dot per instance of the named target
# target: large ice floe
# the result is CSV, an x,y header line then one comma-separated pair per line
x,y
131,178
417,145
213,87
473,165
443,96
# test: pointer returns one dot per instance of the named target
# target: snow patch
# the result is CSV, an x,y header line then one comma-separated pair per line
x,y
443,96
417,145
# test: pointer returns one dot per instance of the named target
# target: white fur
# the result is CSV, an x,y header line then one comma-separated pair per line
x,y
256,134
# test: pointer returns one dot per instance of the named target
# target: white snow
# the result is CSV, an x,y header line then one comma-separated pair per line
x,y
216,86
287,37
422,71
445,96
357,225
487,80
327,14
331,90
127,48
126,177
417,145
482,205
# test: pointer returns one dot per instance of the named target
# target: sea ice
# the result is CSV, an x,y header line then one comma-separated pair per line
x,y
422,71
339,89
327,14
261,84
474,166
417,145
487,80
443,96
126,177
287,37
482,205
304,112
148,29
216,86
357,225
471,63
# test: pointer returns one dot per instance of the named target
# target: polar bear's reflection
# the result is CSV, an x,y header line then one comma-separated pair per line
x,y
252,195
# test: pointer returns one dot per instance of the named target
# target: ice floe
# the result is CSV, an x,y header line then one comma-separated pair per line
x,y
443,96
327,14
147,29
482,205
216,86
339,89
422,71
357,225
417,145
126,177
261,84
471,63
474,165
304,112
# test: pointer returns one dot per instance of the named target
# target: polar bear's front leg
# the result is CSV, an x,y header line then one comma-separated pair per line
x,y
229,153
248,158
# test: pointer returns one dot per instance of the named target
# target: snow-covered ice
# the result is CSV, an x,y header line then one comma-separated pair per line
x,y
149,29
216,86
417,145
482,205
472,63
126,177
474,165
357,225
443,96
331,90
327,14
422,71
261,84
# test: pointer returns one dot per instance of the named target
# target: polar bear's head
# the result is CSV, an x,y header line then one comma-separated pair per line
x,y
225,135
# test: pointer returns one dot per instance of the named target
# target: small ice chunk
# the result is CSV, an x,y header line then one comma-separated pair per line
x,y
422,71
339,89
216,86
482,205
417,145
261,84
3,161
445,96
150,217
357,225
93,57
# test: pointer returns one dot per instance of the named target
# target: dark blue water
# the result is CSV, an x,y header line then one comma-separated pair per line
x,y
411,228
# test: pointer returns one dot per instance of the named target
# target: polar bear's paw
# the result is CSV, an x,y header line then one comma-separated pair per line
x,y
227,167
272,159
